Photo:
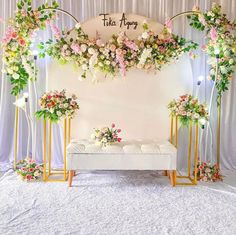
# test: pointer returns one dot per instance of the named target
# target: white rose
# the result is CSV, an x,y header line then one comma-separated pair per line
x,y
100,64
10,71
231,61
83,47
66,105
16,76
145,35
196,115
78,26
91,51
36,173
108,62
59,113
65,47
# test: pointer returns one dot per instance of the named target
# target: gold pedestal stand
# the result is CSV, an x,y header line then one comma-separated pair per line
x,y
192,180
47,152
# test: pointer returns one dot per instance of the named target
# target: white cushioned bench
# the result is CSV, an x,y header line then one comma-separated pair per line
x,y
127,155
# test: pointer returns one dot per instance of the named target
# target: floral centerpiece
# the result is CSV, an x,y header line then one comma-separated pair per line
x,y
56,105
29,170
17,42
149,51
220,44
207,172
187,108
106,136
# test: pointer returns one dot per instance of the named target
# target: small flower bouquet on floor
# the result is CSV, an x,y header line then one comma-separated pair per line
x,y
106,136
207,172
29,170
56,105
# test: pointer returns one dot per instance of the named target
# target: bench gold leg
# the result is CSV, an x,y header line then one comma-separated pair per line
x,y
165,173
173,178
71,174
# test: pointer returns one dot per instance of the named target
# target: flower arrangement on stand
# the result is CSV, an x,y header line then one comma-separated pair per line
x,y
187,108
106,136
29,170
149,51
56,106
220,44
207,172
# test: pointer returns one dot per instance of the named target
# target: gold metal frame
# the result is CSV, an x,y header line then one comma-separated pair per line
x,y
192,181
47,152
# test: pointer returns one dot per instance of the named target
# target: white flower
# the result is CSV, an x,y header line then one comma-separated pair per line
x,y
223,69
145,35
84,66
108,62
9,70
83,47
93,137
78,26
196,116
65,46
16,76
66,105
231,61
91,51
59,113
36,173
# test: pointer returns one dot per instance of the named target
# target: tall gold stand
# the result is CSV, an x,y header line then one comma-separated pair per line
x,y
47,152
218,132
192,181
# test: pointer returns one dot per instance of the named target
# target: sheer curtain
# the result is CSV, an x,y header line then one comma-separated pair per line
x,y
159,10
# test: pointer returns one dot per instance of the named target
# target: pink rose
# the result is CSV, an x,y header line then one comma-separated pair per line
x,y
119,130
28,177
31,170
119,139
113,125
21,42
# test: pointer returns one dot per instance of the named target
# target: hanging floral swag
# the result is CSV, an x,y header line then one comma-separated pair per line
x,y
149,51
220,44
16,45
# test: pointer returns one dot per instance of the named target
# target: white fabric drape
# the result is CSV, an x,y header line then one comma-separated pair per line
x,y
159,10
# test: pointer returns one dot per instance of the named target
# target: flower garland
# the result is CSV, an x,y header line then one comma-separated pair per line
x,y
149,52
56,106
220,46
187,108
29,170
16,44
207,172
106,136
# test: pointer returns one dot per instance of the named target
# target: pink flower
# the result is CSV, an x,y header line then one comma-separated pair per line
x,y
75,47
202,20
119,139
29,177
112,47
213,34
131,45
99,42
168,25
31,169
55,30
113,125
119,130
203,47
21,42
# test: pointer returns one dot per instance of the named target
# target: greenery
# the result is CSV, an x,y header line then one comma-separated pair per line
x,y
220,45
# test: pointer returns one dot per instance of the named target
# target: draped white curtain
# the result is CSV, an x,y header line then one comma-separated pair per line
x,y
159,10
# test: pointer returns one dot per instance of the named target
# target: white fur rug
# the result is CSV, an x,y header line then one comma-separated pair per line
x,y
116,203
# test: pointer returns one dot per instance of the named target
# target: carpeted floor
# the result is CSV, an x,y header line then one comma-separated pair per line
x,y
116,203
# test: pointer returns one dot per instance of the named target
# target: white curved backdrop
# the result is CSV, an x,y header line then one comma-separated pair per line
x,y
137,103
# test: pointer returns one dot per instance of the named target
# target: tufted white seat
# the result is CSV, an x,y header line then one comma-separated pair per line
x,y
127,155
